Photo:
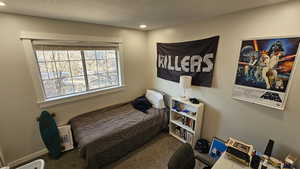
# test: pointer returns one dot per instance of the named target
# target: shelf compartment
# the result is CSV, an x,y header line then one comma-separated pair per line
x,y
184,114
177,137
178,123
181,134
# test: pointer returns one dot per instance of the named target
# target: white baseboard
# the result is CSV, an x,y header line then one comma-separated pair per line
x,y
28,158
34,155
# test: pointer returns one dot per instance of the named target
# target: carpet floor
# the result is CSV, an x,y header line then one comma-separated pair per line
x,y
153,155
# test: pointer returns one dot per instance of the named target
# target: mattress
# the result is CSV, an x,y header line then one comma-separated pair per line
x,y
107,135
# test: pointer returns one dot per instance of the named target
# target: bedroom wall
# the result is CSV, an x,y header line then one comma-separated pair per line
x,y
224,116
19,135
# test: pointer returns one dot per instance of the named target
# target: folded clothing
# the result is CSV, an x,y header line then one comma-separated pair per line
x,y
142,104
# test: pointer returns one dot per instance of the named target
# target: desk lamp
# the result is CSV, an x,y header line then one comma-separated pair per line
x,y
185,83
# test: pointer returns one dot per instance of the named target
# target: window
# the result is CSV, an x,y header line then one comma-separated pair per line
x,y
68,70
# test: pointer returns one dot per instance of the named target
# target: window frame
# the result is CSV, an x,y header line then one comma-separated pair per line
x,y
27,40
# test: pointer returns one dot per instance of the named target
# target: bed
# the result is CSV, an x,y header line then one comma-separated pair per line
x,y
107,135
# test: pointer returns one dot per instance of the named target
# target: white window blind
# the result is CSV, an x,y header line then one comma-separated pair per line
x,y
67,69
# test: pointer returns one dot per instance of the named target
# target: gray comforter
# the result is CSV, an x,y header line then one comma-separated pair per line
x,y
106,135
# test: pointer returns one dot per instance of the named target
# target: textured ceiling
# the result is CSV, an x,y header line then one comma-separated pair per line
x,y
131,13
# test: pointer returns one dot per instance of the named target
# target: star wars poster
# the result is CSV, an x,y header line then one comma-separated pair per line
x,y
265,70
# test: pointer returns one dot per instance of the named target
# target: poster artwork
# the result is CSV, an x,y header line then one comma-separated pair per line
x,y
193,58
265,70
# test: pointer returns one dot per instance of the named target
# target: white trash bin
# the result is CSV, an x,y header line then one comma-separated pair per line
x,y
37,164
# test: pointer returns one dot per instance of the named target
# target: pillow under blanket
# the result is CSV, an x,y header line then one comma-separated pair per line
x,y
142,104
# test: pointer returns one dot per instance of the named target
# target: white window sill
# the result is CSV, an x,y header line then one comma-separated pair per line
x,y
79,96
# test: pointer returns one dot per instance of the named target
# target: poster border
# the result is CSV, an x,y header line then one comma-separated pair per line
x,y
291,77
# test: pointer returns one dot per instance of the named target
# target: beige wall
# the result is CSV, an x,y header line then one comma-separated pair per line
x,y
225,116
19,135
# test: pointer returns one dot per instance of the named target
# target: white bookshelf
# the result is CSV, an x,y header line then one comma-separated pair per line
x,y
186,122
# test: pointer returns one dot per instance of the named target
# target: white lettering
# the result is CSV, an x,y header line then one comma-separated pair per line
x,y
208,62
185,63
196,62
170,67
177,68
161,61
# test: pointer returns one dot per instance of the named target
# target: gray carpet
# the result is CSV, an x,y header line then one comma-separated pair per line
x,y
153,155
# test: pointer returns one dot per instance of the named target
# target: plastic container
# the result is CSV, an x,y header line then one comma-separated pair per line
x,y
37,164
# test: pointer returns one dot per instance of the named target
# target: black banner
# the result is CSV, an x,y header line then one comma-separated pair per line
x,y
193,58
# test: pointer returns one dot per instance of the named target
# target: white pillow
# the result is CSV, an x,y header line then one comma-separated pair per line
x,y
156,99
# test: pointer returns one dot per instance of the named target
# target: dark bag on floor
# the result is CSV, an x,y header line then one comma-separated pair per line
x,y
202,146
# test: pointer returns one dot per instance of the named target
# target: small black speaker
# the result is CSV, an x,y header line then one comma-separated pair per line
x,y
269,148
255,162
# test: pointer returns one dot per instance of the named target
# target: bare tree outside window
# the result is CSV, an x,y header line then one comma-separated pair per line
x,y
69,71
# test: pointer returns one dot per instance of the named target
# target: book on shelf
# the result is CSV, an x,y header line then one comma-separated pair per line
x,y
188,122
178,106
187,112
189,137
184,134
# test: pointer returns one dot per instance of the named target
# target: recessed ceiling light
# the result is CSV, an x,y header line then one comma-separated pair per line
x,y
2,3
143,26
